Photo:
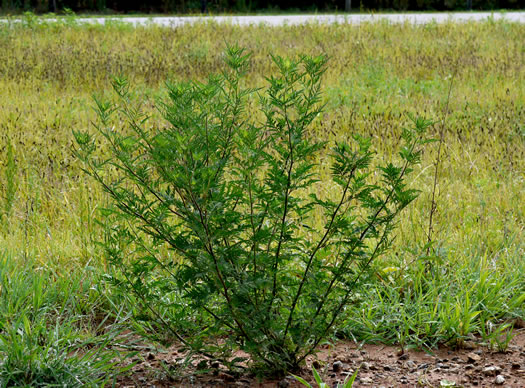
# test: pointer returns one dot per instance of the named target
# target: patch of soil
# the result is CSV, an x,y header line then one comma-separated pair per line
x,y
379,366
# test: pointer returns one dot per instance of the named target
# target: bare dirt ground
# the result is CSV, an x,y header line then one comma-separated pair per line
x,y
379,366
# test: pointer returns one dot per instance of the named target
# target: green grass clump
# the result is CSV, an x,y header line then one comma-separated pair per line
x,y
377,73
48,326
458,300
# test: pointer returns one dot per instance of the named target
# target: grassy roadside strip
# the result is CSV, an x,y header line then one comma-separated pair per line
x,y
54,328
51,293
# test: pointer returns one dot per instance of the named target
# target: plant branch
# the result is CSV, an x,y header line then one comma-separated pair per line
x,y
433,204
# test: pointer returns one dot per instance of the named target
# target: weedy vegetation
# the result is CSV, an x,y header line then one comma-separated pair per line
x,y
468,282
232,199
348,383
47,336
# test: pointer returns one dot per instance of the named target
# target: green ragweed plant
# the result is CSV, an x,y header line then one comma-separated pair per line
x,y
212,215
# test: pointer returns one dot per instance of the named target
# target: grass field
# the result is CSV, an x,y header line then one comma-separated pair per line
x,y
51,267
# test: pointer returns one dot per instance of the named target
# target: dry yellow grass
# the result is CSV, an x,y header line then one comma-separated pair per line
x,y
376,74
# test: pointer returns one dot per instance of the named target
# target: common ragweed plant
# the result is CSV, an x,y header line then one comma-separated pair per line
x,y
226,192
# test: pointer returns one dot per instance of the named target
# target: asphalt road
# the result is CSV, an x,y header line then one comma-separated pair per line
x,y
278,20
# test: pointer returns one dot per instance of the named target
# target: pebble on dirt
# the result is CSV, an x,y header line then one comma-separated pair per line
x,y
491,370
500,380
473,358
337,366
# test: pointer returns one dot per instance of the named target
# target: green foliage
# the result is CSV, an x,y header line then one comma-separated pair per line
x,y
227,194
251,5
42,338
37,355
348,383
456,301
